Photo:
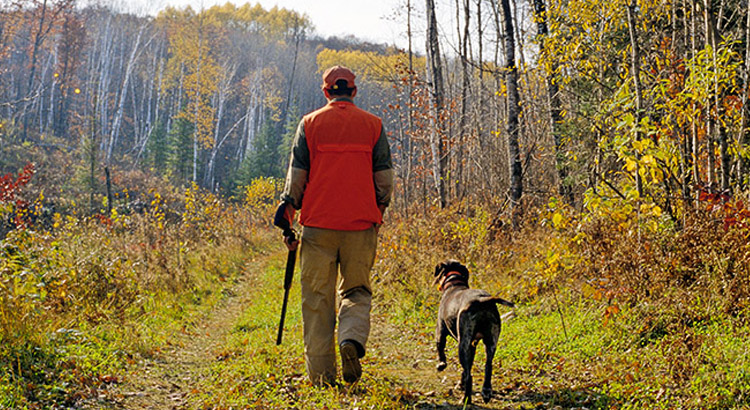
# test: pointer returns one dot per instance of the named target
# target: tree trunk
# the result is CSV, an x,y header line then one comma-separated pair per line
x,y
197,96
712,39
409,114
224,89
514,112
152,120
635,60
686,146
252,114
115,131
694,125
105,63
92,153
553,92
212,160
498,106
710,119
435,78
481,110
742,136
299,35
32,69
465,85
73,35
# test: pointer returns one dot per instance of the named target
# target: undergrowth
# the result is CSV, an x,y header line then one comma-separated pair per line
x,y
82,296
618,307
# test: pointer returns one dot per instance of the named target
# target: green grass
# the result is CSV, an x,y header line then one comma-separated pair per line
x,y
250,368
90,308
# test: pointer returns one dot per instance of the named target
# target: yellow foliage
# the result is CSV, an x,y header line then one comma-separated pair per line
x,y
630,165
275,24
272,86
368,65
156,211
262,195
202,211
557,220
194,41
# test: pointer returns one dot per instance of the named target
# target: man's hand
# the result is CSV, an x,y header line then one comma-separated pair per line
x,y
381,207
283,219
290,243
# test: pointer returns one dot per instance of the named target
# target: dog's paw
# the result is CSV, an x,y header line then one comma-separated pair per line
x,y
441,366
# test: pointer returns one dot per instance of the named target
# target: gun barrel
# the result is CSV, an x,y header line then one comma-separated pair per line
x,y
283,314
288,275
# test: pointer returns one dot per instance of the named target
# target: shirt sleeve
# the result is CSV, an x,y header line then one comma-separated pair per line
x,y
299,168
382,169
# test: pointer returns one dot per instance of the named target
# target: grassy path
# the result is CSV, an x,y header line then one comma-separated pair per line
x,y
174,373
227,359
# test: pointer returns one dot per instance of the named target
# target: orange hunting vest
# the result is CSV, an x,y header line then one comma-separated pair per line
x,y
340,191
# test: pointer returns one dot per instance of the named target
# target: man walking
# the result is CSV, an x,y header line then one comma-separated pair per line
x,y
340,175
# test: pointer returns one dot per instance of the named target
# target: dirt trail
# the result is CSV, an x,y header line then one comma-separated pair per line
x,y
408,357
167,380
164,381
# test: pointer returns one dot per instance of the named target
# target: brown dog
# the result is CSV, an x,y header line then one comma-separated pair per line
x,y
468,315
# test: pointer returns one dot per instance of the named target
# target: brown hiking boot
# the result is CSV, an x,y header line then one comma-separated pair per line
x,y
350,366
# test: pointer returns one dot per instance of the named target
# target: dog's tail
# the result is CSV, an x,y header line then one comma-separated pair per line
x,y
499,300
508,316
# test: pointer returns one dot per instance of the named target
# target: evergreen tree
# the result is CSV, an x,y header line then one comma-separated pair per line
x,y
180,138
287,138
157,148
241,178
265,158
270,153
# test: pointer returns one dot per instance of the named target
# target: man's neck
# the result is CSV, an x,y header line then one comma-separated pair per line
x,y
341,98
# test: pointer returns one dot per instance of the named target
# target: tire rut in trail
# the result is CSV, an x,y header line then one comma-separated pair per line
x,y
164,381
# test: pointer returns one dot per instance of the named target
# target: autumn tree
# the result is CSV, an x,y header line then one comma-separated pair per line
x,y
514,112
551,72
44,17
437,101
73,39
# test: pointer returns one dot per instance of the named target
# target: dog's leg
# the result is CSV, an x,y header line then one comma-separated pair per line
x,y
441,334
490,346
466,352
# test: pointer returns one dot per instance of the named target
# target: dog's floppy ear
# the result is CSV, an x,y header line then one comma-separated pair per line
x,y
440,271
449,265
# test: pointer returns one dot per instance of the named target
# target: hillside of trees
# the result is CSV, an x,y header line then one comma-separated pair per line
x,y
588,158
532,99
209,96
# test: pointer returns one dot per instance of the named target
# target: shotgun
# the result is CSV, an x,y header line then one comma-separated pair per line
x,y
281,221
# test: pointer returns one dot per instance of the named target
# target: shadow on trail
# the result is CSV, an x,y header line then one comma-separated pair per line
x,y
449,406
529,399
562,398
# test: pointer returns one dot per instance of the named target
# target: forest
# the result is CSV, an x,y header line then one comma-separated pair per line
x,y
588,160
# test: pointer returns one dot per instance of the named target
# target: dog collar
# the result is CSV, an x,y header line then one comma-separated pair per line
x,y
452,279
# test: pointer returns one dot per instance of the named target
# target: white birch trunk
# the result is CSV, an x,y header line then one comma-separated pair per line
x,y
115,132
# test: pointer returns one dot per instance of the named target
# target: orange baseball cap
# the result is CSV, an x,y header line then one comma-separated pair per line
x,y
336,73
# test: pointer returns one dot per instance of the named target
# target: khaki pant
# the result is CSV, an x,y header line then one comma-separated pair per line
x,y
324,254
